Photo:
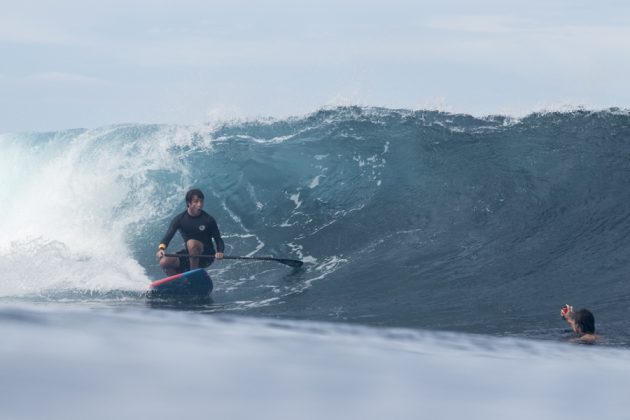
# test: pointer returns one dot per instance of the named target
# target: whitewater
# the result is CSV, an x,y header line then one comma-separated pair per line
x,y
438,250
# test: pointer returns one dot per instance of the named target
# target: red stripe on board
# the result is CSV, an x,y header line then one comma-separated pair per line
x,y
166,280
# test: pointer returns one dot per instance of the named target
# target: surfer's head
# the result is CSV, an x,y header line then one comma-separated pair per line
x,y
194,201
582,321
191,194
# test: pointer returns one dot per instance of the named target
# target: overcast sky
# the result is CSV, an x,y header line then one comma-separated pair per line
x,y
81,63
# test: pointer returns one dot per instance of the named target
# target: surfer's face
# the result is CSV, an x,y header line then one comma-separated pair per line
x,y
195,206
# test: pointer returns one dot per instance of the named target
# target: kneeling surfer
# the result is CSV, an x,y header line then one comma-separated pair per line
x,y
199,230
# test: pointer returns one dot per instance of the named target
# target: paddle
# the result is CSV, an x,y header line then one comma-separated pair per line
x,y
285,261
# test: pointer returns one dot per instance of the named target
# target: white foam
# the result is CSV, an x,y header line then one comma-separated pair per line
x,y
315,182
296,200
71,201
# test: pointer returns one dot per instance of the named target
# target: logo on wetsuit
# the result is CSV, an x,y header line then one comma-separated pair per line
x,y
202,227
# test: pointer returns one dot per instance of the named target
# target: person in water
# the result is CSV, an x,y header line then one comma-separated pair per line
x,y
199,230
582,323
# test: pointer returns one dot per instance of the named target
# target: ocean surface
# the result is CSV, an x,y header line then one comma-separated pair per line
x,y
438,249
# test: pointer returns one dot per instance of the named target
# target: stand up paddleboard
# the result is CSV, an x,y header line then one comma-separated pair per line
x,y
190,283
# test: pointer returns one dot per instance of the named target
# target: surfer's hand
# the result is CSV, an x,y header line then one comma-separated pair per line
x,y
565,310
218,255
160,254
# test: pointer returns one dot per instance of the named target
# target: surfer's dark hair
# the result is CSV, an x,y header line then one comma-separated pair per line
x,y
585,320
192,193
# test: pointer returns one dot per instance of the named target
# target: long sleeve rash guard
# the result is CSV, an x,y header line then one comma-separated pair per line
x,y
202,228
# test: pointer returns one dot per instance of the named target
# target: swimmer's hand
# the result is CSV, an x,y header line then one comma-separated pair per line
x,y
566,309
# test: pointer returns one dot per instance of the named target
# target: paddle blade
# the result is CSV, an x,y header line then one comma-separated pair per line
x,y
290,263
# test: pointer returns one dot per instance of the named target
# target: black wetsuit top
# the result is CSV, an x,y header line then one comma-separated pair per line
x,y
202,228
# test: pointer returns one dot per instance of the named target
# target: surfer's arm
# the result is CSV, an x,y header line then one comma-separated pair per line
x,y
168,236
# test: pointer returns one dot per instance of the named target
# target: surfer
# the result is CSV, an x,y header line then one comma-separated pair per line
x,y
199,230
582,323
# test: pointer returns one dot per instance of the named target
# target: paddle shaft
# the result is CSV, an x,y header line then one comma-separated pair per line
x,y
285,261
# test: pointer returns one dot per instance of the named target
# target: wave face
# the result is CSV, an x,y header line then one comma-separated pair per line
x,y
404,218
